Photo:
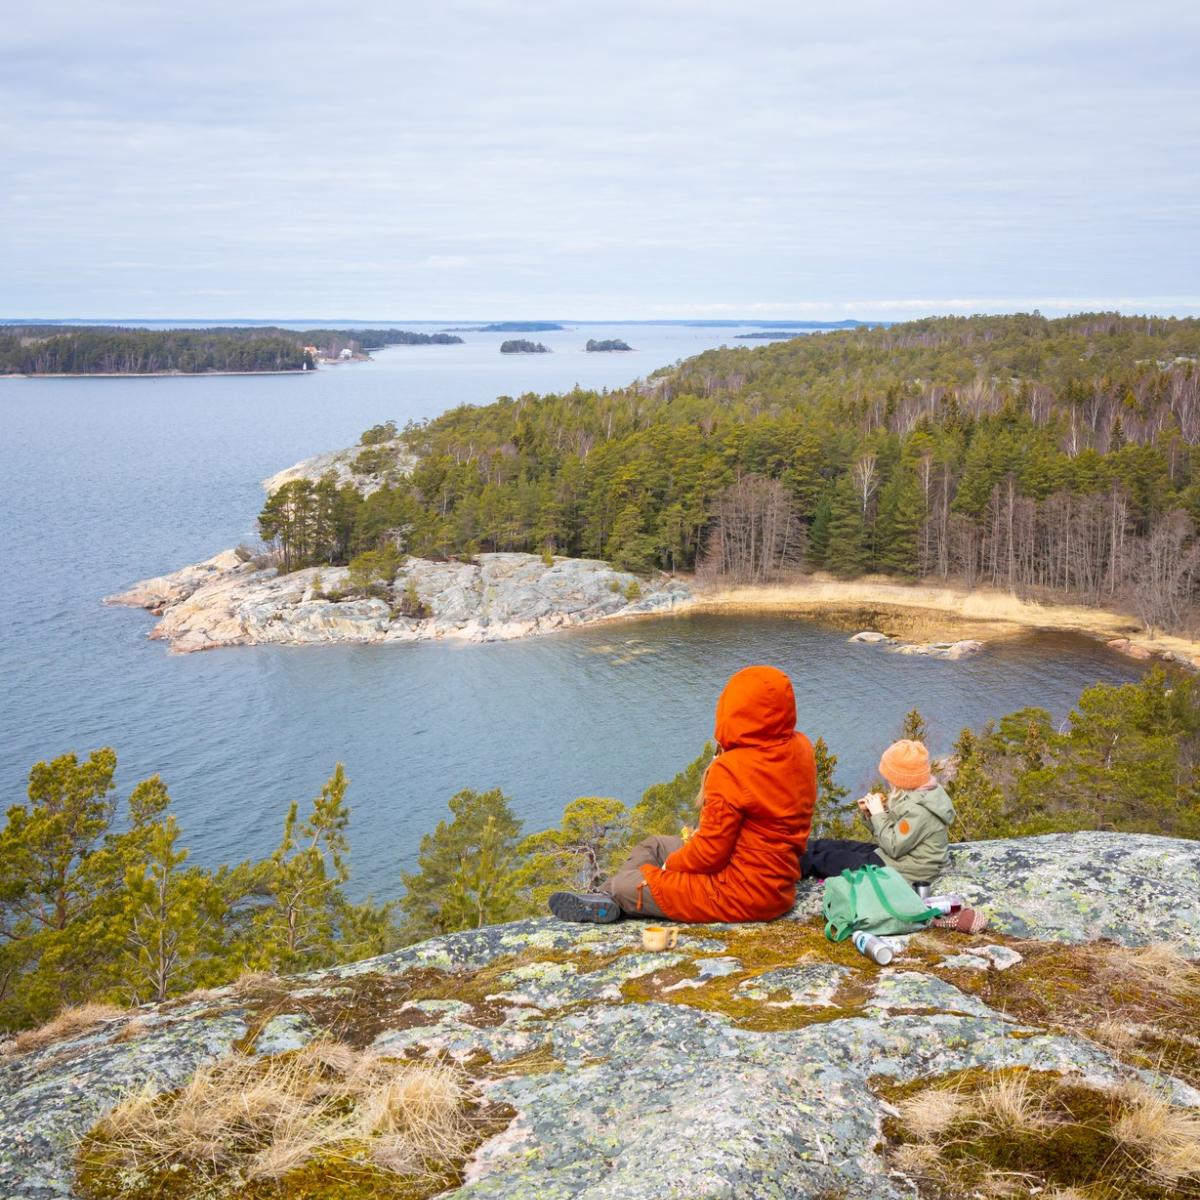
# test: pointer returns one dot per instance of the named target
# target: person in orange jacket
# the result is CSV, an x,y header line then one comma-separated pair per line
x,y
743,861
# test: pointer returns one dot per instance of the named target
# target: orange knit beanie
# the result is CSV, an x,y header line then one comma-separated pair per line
x,y
905,765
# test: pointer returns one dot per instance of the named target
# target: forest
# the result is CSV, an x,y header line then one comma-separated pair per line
x,y
56,350
1053,458
100,902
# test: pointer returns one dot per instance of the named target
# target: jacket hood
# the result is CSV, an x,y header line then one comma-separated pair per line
x,y
757,708
937,802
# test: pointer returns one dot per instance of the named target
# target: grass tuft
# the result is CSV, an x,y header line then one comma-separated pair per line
x,y
249,1119
1167,1137
71,1022
1018,1132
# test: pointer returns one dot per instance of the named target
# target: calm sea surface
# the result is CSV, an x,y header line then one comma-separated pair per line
x,y
105,481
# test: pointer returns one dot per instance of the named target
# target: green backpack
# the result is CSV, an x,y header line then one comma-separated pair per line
x,y
877,899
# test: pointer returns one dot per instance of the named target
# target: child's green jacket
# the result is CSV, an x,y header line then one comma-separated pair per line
x,y
912,835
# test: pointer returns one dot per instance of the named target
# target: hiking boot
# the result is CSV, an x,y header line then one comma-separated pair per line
x,y
596,907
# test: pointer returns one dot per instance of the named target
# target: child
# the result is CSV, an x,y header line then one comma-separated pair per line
x,y
910,827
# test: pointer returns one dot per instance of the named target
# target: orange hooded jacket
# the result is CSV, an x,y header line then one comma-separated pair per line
x,y
743,861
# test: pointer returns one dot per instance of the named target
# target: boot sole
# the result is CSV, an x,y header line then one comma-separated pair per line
x,y
567,906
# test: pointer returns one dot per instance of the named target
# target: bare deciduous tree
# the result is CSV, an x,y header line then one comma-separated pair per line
x,y
757,534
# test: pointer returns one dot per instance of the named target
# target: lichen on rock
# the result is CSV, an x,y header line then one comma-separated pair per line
x,y
750,1061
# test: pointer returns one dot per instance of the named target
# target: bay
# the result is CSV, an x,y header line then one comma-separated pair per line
x,y
105,481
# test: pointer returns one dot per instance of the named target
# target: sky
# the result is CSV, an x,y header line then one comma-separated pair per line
x,y
477,159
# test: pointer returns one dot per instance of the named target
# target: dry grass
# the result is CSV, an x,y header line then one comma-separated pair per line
x,y
258,1118
80,1018
1161,965
1009,1104
917,1158
1022,1133
928,1114
1168,1137
254,983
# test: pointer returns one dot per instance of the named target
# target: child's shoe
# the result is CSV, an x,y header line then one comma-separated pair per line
x,y
966,921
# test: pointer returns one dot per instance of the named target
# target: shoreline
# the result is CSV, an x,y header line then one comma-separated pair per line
x,y
918,609
148,374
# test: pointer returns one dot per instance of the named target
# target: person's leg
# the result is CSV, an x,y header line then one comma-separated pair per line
x,y
824,857
628,887
625,892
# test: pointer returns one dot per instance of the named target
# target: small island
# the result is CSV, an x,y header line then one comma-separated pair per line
x,y
523,346
605,345
769,334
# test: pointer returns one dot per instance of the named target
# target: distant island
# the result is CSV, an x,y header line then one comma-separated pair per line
x,y
593,346
509,327
114,350
523,346
770,334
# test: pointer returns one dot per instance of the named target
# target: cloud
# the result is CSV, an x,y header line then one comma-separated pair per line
x,y
659,156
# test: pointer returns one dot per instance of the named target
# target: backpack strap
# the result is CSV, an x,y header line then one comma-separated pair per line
x,y
916,919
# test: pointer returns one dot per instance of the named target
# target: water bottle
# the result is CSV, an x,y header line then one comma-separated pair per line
x,y
874,948
948,905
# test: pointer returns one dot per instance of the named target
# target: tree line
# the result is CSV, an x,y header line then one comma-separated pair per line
x,y
1056,456
51,350
99,900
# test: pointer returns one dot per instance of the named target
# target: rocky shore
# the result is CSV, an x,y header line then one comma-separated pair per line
x,y
228,600
753,1061
948,650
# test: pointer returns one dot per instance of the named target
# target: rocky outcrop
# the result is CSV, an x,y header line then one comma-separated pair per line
x,y
750,1061
348,467
496,597
948,650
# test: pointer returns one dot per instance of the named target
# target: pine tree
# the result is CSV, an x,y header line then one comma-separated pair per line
x,y
303,918
587,846
914,728
832,818
172,916
667,807
461,866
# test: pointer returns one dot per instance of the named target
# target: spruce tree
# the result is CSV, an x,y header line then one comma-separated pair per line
x,y
898,527
847,550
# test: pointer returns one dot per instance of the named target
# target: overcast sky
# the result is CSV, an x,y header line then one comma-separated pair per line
x,y
603,160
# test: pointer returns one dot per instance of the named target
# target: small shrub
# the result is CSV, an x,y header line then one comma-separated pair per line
x,y
374,567
547,558
633,591
411,605
614,585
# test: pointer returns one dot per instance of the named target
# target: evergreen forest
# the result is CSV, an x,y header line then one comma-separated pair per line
x,y
59,350
1055,458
